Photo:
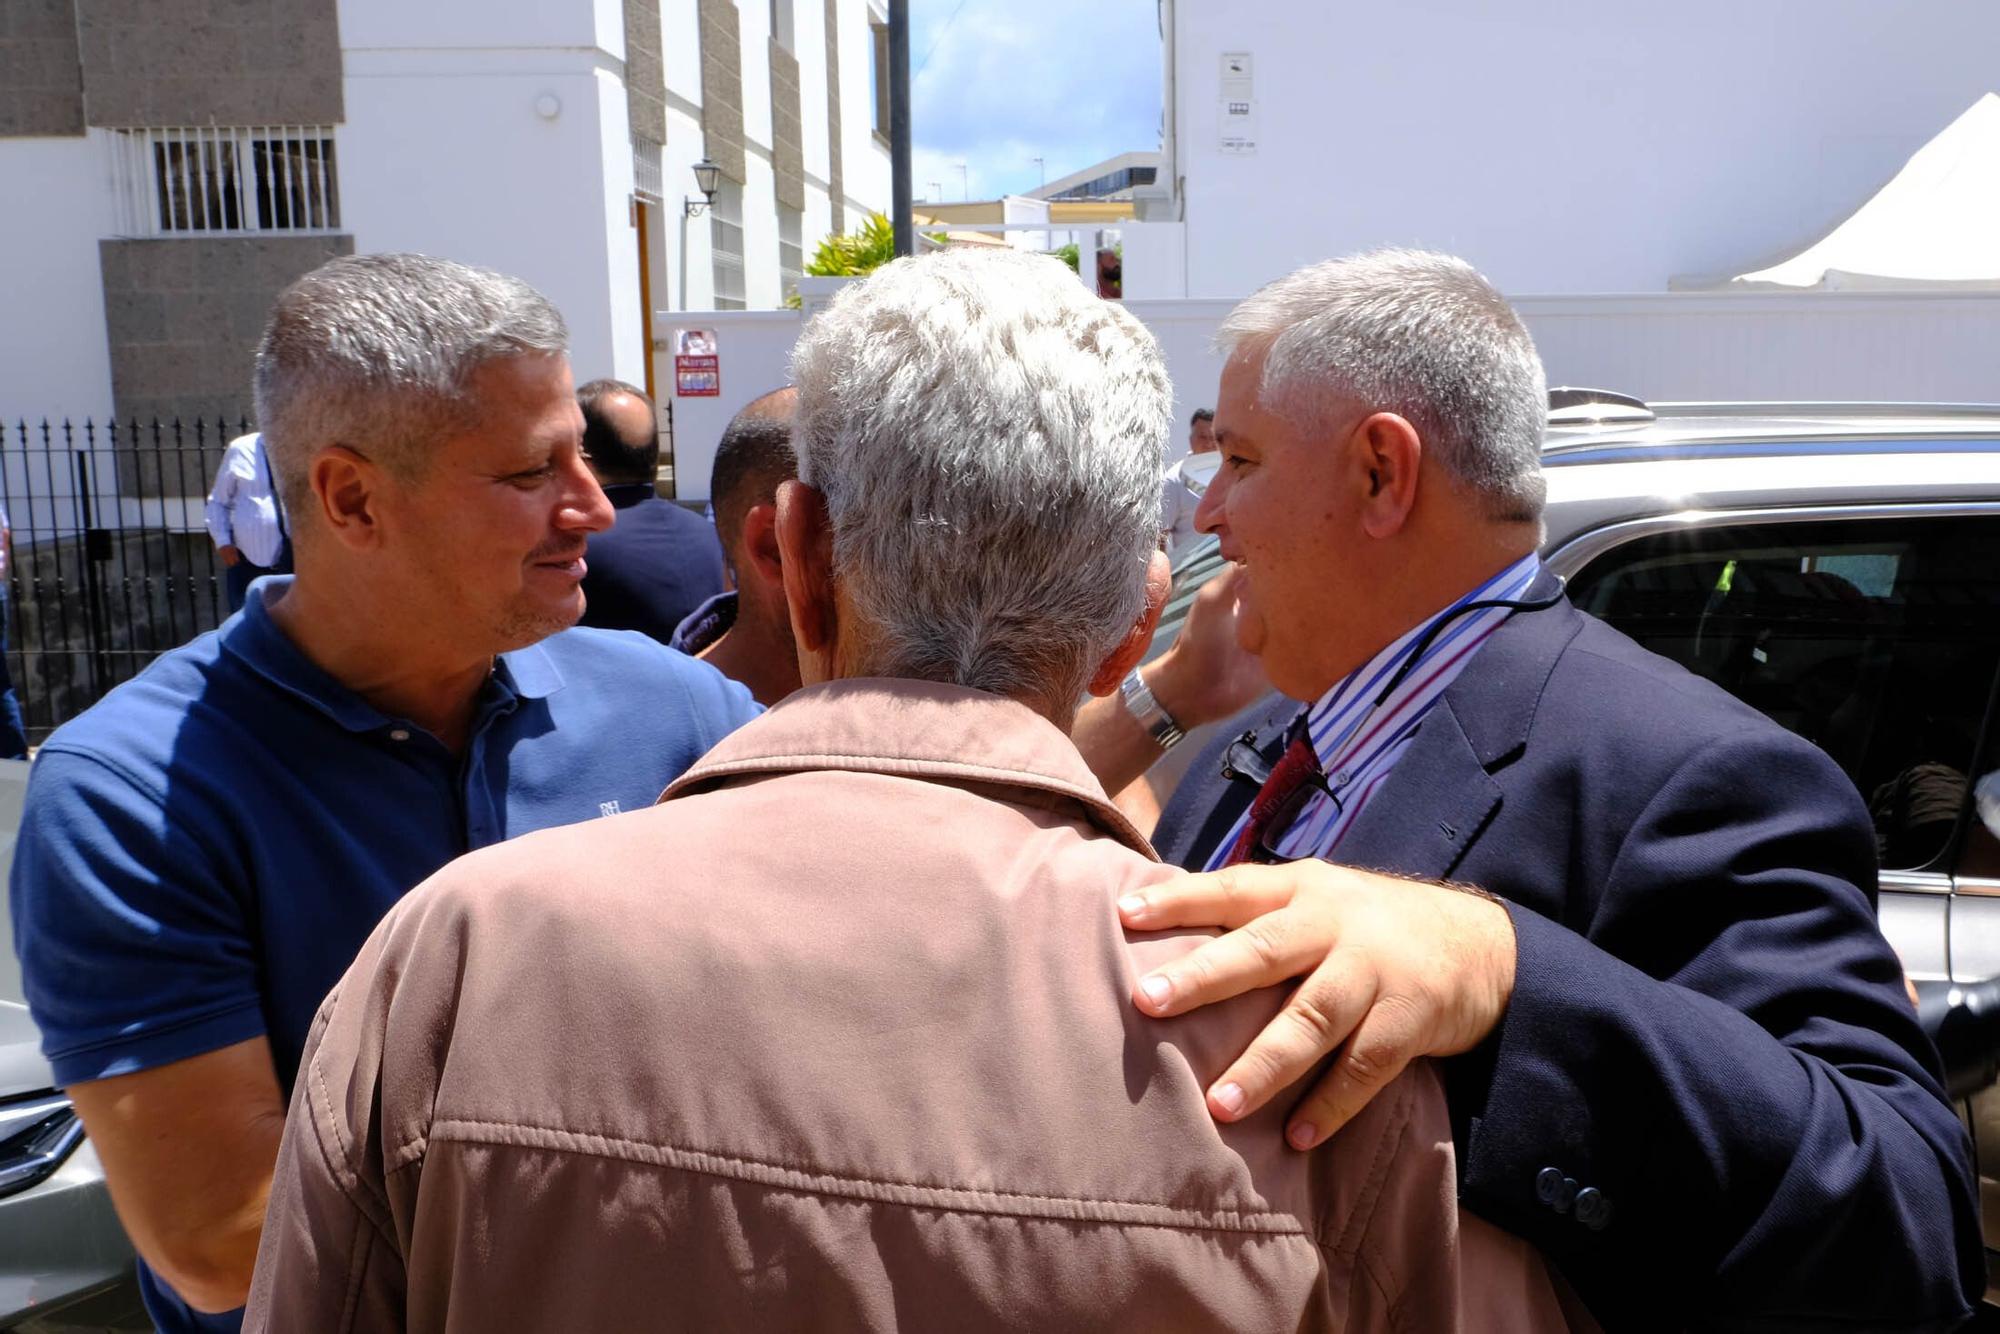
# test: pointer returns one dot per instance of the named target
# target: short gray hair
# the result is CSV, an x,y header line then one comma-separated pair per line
x,y
989,437
375,352
1419,334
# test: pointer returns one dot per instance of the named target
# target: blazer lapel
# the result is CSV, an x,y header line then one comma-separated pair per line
x,y
1442,794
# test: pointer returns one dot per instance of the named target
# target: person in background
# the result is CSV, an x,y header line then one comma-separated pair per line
x,y
746,633
659,561
13,732
204,850
836,1035
246,518
1177,499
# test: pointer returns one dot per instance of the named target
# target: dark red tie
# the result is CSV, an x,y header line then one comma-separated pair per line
x,y
1296,767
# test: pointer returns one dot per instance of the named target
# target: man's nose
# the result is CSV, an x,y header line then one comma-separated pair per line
x,y
1208,514
585,507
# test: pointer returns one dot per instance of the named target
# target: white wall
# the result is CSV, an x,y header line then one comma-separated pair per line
x,y
864,159
1825,346
445,152
54,359
754,349
1565,145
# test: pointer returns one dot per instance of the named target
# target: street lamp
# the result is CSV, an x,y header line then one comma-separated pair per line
x,y
707,176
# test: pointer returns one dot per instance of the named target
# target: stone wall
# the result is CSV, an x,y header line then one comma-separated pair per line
x,y
722,87
788,152
41,77
200,62
645,72
183,315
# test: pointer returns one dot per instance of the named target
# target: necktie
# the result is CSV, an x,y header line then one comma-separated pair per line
x,y
1298,766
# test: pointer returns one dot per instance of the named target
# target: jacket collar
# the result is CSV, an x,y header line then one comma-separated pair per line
x,y
1442,793
913,729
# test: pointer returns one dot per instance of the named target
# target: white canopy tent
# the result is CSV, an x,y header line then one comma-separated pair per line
x,y
1936,226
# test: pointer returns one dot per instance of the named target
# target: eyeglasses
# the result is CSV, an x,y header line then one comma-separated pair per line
x,y
1242,762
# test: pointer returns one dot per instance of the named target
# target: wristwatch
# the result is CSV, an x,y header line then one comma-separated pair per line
x,y
1159,724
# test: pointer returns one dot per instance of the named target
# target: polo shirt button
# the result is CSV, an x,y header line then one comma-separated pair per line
x,y
400,734
1548,1184
1592,1209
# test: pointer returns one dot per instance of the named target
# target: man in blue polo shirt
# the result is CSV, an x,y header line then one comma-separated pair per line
x,y
203,852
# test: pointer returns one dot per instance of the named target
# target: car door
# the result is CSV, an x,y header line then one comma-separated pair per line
x,y
1874,633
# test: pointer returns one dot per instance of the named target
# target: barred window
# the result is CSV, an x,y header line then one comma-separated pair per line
x,y
210,179
791,250
726,242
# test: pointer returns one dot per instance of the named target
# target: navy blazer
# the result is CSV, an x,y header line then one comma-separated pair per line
x,y
1707,1027
655,564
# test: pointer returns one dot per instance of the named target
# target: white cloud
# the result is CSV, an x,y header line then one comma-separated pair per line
x,y
1012,80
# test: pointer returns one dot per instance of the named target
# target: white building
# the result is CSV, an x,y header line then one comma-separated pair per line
x,y
552,139
1564,146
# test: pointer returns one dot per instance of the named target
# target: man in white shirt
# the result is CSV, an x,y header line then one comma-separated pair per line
x,y
245,519
1177,499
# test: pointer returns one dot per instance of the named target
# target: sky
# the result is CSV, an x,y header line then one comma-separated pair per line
x,y
996,84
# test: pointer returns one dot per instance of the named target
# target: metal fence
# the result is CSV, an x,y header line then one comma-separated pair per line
x,y
111,565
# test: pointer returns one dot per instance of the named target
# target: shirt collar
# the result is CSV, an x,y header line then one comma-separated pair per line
x,y
255,640
914,729
624,495
1336,715
705,624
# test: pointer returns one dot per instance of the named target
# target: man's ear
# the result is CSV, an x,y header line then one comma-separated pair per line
x,y
1387,453
761,559
346,490
1114,669
805,546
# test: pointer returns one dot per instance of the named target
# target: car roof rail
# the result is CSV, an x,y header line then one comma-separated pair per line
x,y
1576,406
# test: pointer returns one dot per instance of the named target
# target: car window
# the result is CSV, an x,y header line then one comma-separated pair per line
x,y
1876,639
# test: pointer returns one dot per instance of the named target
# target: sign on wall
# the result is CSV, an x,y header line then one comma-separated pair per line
x,y
697,364
1237,109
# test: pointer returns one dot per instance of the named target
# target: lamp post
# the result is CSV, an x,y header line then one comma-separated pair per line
x,y
706,177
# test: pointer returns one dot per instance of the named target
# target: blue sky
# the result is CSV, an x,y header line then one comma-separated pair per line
x,y
998,83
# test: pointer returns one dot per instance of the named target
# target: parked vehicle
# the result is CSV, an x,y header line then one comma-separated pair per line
x,y
65,1264
1837,566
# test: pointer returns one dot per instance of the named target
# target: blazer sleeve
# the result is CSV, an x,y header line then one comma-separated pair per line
x,y
1721,1049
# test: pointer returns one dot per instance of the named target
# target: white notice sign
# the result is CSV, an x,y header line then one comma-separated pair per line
x,y
1236,112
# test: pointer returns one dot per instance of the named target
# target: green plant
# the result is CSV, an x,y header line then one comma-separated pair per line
x,y
1070,255
851,254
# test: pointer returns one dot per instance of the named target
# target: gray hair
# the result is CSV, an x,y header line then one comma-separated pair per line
x,y
375,352
988,436
1419,334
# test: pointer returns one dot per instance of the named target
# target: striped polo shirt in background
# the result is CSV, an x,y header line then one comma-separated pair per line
x,y
1358,742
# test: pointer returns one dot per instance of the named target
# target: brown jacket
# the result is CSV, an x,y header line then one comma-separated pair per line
x,y
836,1037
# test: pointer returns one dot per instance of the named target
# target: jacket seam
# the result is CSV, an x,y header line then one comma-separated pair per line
x,y
953,1199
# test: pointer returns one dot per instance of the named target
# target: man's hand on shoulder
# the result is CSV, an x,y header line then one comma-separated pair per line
x,y
1394,970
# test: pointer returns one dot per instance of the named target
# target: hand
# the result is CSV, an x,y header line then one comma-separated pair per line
x,y
230,555
1398,969
1206,675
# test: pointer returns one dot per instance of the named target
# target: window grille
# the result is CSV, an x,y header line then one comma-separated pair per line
x,y
726,242
791,251
647,178
205,180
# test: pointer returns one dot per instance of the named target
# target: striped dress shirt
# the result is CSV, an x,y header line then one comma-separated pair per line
x,y
1359,740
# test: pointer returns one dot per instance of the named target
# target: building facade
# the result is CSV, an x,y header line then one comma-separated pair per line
x,y
1564,146
176,163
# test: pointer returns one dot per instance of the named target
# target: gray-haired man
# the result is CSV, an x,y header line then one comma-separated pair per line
x,y
204,851
836,1036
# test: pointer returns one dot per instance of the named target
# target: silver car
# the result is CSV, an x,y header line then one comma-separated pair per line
x,y
65,1264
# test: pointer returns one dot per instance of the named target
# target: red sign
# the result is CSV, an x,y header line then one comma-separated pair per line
x,y
697,377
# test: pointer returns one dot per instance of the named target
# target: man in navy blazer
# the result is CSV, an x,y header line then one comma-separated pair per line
x,y
1678,1052
658,562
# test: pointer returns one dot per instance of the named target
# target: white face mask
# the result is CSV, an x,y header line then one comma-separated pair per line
x,y
1986,796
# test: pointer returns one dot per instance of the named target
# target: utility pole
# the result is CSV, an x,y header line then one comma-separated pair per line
x,y
964,184
899,125
1043,168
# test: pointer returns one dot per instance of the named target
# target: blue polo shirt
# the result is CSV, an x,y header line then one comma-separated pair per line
x,y
203,853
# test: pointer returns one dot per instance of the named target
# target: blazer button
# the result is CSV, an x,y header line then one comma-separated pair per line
x,y
1592,1209
1548,1184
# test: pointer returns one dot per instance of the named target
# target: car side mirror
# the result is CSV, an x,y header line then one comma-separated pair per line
x,y
1986,799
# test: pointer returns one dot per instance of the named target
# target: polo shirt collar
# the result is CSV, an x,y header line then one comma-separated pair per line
x,y
915,729
254,639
